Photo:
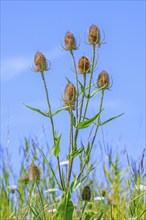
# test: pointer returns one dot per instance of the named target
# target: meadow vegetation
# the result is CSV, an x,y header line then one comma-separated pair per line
x,y
48,188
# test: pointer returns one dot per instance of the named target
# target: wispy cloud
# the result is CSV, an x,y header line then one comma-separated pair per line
x,y
14,66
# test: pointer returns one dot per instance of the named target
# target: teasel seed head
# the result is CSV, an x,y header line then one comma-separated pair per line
x,y
86,193
70,42
84,65
25,179
34,173
70,96
94,35
40,62
103,80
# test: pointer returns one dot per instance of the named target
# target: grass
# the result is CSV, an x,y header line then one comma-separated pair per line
x,y
45,188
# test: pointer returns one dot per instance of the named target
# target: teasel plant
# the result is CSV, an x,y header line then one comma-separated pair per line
x,y
77,98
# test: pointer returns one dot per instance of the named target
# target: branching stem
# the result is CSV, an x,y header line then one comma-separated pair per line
x,y
52,123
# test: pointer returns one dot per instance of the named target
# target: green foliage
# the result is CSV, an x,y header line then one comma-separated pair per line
x,y
35,200
86,123
65,208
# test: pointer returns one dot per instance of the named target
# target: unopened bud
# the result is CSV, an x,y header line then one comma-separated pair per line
x,y
84,65
70,42
70,96
40,62
86,193
34,173
94,35
103,80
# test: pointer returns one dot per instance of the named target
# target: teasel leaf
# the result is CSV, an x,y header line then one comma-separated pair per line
x,y
56,148
86,123
75,184
75,153
37,110
111,119
65,208
59,110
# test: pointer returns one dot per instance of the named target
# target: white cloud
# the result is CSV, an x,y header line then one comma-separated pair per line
x,y
14,66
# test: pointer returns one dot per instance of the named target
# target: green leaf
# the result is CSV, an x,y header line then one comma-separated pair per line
x,y
65,208
95,92
100,217
105,122
86,123
56,149
75,153
73,119
92,168
37,110
83,89
75,184
87,153
59,110
49,165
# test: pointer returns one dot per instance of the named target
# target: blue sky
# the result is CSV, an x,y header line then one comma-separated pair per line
x,y
31,26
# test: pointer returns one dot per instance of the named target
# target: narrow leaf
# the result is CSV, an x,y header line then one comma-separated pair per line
x,y
92,168
86,123
37,110
59,110
56,149
75,153
73,119
82,88
75,184
105,122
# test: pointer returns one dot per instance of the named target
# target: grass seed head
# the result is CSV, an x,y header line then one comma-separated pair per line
x,y
84,65
40,62
86,193
70,42
34,173
94,35
103,80
70,96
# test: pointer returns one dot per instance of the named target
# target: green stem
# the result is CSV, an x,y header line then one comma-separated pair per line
x,y
81,109
82,100
77,87
83,210
91,76
98,121
71,146
95,133
52,123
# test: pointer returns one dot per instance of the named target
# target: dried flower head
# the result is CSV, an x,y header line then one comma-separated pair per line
x,y
86,193
94,35
34,173
103,80
84,65
70,96
70,42
25,179
40,62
